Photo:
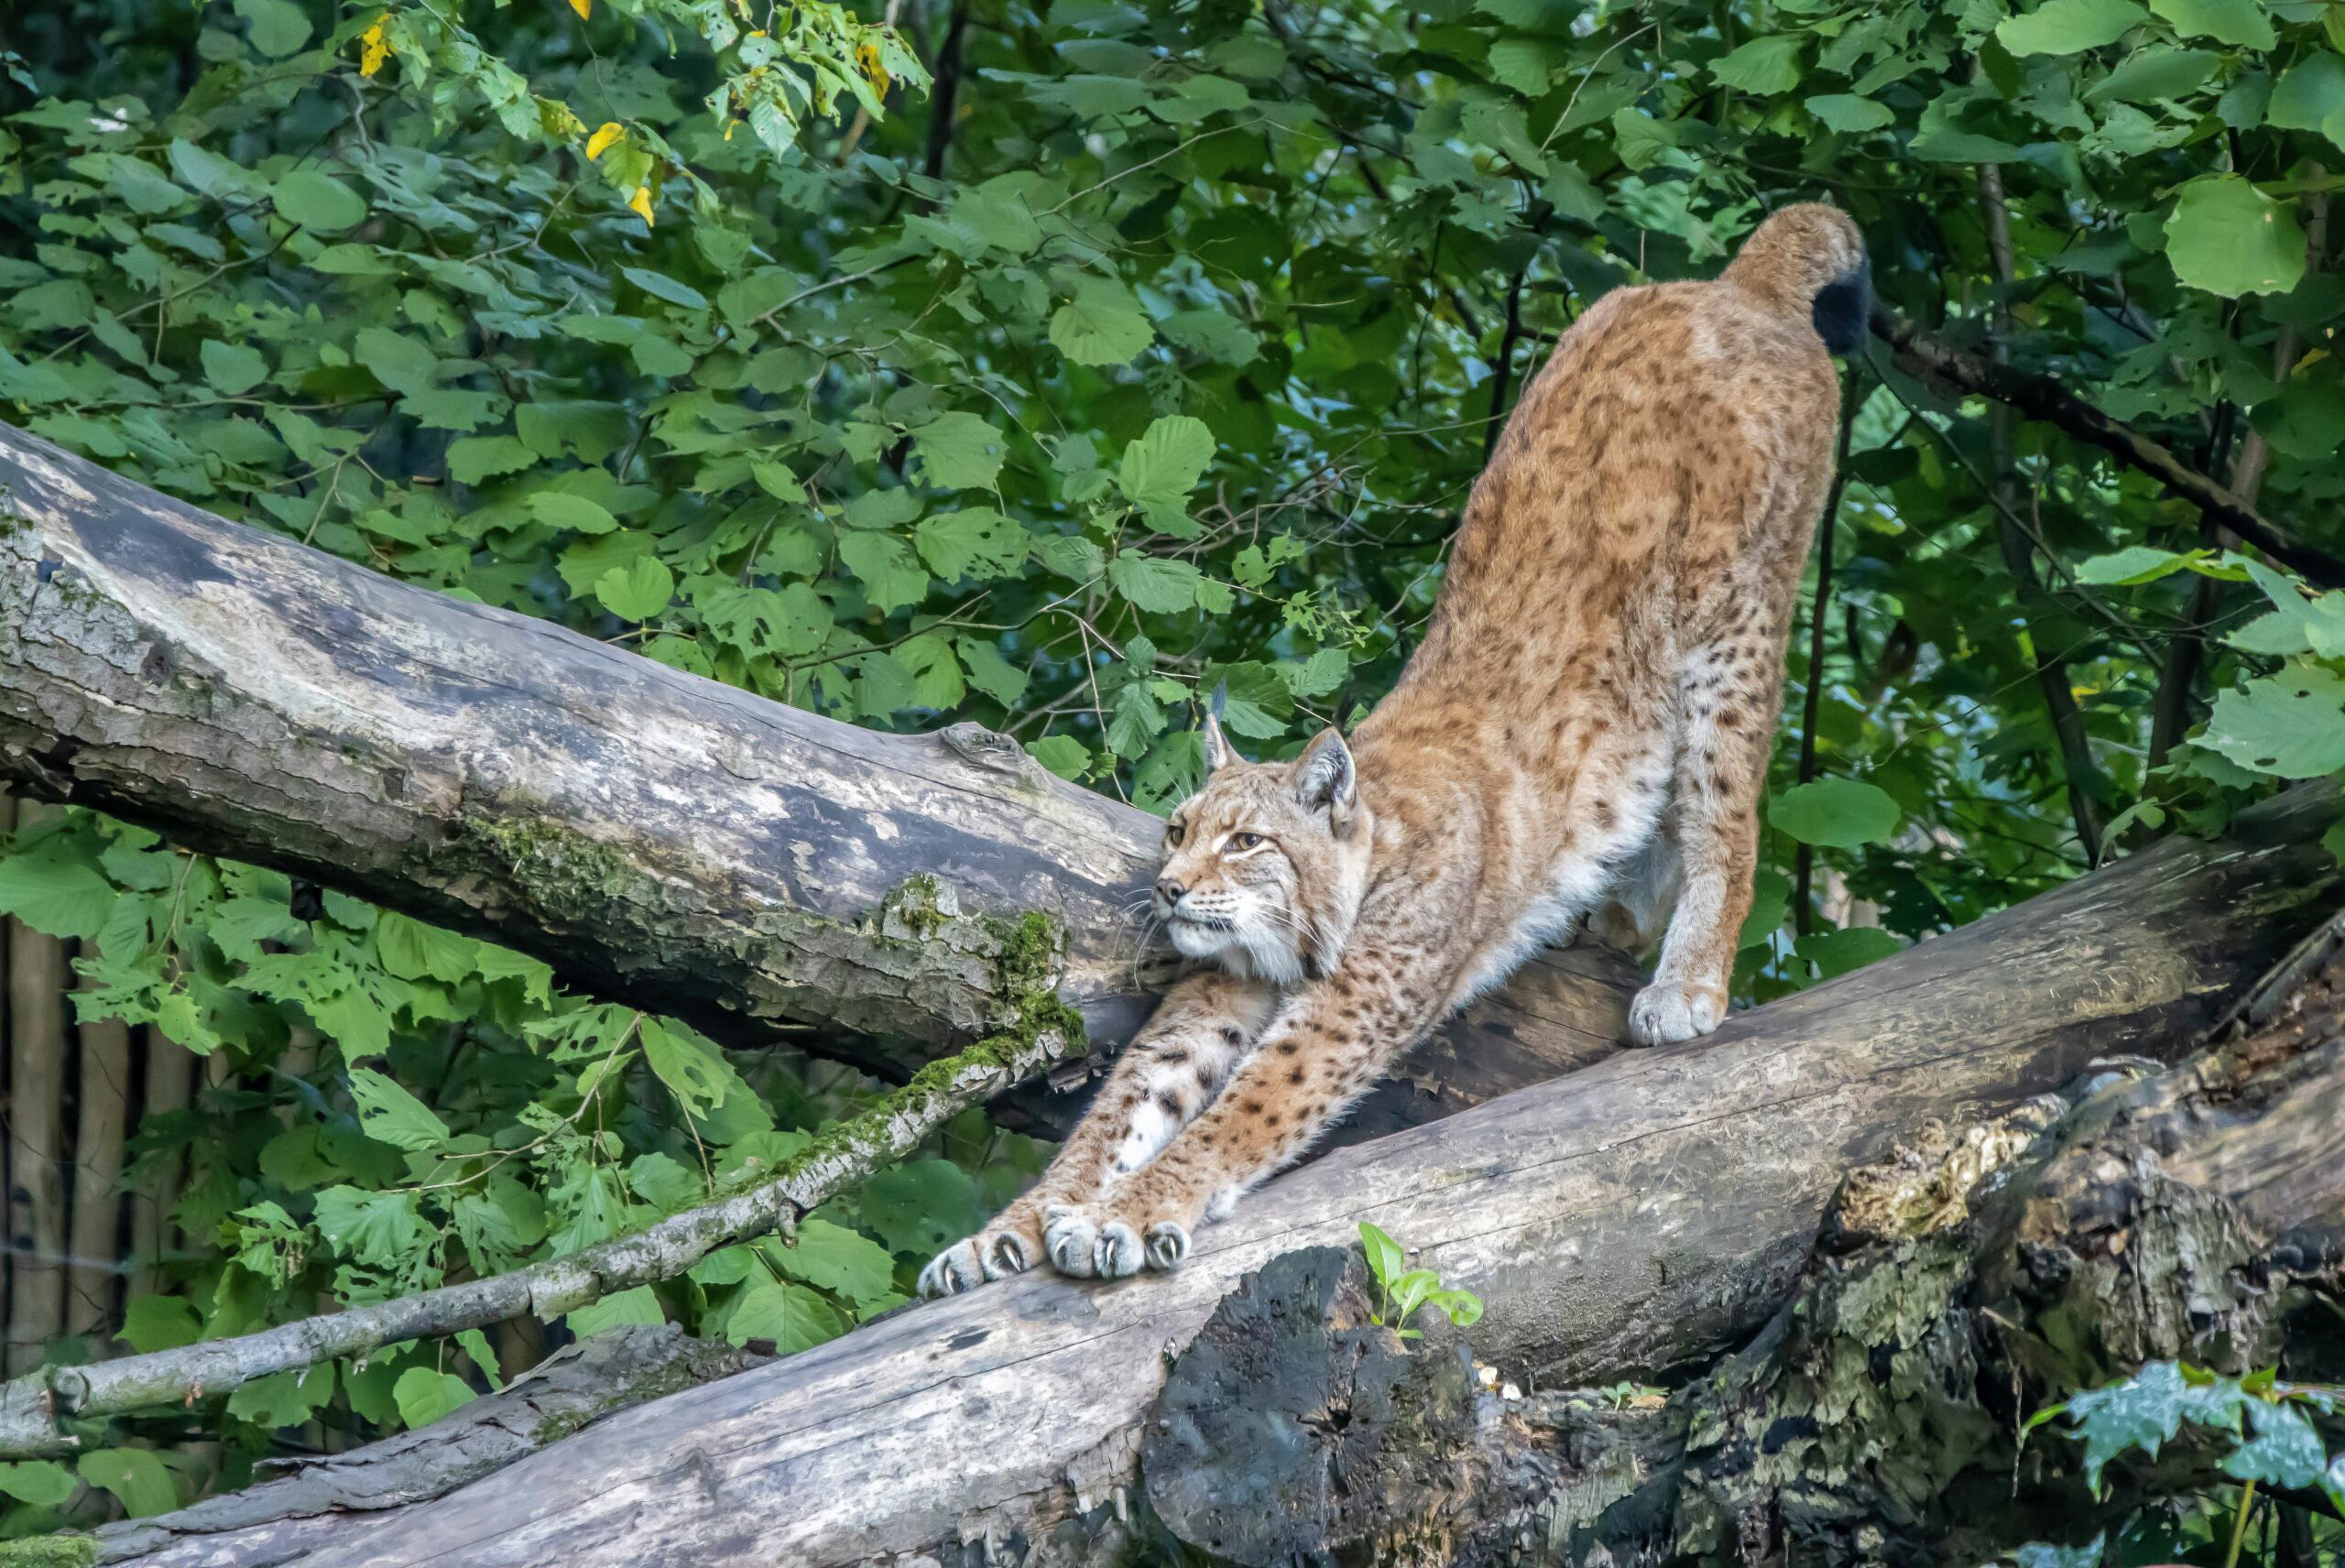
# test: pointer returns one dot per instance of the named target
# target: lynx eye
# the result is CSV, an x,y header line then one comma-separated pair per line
x,y
1243,841
1173,834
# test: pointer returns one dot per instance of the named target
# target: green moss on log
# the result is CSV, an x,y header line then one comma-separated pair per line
x,y
49,1551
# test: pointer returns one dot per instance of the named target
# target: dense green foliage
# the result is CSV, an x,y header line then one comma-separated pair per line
x,y
1132,352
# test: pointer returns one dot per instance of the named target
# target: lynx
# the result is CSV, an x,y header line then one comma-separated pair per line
x,y
1581,738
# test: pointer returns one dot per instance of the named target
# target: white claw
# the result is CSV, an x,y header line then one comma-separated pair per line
x,y
1167,1244
1117,1253
953,1270
1068,1236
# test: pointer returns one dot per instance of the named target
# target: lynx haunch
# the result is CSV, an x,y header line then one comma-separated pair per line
x,y
1581,736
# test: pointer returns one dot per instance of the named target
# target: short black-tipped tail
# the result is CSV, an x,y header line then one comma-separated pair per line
x,y
1844,306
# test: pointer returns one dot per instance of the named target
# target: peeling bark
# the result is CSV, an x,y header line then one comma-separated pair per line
x,y
1643,1216
661,839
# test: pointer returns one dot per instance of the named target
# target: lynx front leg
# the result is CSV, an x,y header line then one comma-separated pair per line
x,y
1328,1043
1161,1080
1729,696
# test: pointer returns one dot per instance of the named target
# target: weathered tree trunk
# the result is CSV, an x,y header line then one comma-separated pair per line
x,y
36,1156
659,838
102,1102
1642,1216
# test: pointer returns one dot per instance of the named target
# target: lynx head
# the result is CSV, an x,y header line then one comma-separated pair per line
x,y
1265,866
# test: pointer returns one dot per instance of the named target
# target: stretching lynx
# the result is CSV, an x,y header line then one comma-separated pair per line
x,y
1583,734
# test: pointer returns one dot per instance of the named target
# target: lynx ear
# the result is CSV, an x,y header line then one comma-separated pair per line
x,y
1217,753
1325,777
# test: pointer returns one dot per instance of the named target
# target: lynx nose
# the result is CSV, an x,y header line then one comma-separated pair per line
x,y
1168,891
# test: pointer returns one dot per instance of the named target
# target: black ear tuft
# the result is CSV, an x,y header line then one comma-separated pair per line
x,y
1843,308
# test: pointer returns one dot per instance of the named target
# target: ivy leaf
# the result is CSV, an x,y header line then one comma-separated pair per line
x,y
1838,813
2285,1452
2290,725
390,1114
1101,325
423,1396
2142,1411
2229,238
2070,27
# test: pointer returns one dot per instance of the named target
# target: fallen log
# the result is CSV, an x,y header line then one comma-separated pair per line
x,y
1640,1216
660,839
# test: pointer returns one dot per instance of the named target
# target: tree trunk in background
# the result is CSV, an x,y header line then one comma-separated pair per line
x,y
37,978
102,1097
170,1086
658,838
1643,1215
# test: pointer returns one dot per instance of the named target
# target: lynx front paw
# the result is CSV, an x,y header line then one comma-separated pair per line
x,y
1669,1012
1099,1247
994,1253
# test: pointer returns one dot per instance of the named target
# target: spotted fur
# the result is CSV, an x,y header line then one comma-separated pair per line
x,y
1581,736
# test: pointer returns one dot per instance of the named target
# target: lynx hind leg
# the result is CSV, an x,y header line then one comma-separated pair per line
x,y
1730,697
1168,1074
1635,911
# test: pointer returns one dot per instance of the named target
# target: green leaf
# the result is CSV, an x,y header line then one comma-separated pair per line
x,y
382,1228
1101,325
660,285
636,1305
135,1475
159,1322
555,509
40,1482
423,1396
413,950
978,542
2070,27
2239,22
390,1114
476,458
232,368
2143,1412
2308,92
396,360
1063,754
958,451
1836,953
792,1316
279,28
2289,725
1847,112
1764,65
1153,583
317,201
1838,813
1162,466
694,1069
837,1259
283,1398
2135,564
2285,1452
1386,1261
921,1206
636,592
884,562
2229,238
54,888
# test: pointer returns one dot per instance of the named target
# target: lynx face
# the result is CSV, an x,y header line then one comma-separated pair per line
x,y
1265,866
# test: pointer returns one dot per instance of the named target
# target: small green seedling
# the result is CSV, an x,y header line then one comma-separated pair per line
x,y
1401,1290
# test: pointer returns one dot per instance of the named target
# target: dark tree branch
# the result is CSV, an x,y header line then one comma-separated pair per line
x,y
2042,399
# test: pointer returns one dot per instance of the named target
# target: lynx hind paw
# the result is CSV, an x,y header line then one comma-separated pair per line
x,y
1668,1013
1068,1236
953,1270
1167,1244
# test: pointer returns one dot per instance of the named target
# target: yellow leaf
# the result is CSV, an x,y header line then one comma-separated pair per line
x,y
378,49
867,56
585,8
641,203
600,142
